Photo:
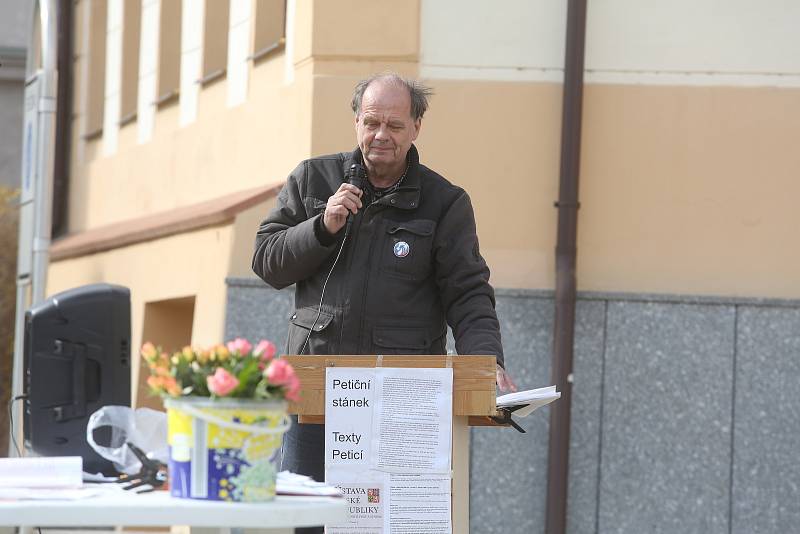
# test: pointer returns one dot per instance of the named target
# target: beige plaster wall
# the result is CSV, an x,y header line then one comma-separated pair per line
x,y
500,142
225,150
690,190
244,235
184,265
683,189
372,31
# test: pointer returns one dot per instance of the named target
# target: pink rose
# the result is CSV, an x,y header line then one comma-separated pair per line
x,y
279,372
221,382
240,345
293,389
265,349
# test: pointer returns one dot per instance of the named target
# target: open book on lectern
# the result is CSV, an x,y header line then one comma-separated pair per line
x,y
523,403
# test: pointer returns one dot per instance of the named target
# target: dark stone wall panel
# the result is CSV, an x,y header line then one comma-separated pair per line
x,y
256,311
653,444
665,452
766,470
509,470
584,447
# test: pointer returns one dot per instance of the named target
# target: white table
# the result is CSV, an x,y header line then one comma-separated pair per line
x,y
120,508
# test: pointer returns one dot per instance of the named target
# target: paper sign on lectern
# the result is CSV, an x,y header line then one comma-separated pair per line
x,y
387,447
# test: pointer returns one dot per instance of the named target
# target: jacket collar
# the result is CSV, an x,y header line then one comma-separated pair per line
x,y
407,195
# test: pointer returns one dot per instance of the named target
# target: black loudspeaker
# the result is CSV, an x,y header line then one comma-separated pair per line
x,y
77,359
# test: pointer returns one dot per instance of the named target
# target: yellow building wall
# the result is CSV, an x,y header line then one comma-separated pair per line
x,y
225,150
684,189
244,237
690,190
500,141
187,265
355,30
192,264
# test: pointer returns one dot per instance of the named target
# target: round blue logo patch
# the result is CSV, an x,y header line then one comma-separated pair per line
x,y
401,249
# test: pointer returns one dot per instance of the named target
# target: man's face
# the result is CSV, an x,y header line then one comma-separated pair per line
x,y
385,129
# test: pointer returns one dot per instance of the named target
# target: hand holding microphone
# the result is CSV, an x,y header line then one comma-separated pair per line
x,y
345,201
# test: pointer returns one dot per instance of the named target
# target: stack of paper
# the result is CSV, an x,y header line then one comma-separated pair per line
x,y
522,403
294,484
41,472
42,478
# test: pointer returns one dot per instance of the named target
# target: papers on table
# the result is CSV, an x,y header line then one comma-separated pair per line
x,y
58,477
41,472
61,478
53,494
522,403
294,484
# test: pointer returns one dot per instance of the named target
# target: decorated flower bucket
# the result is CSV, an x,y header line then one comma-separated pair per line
x,y
224,449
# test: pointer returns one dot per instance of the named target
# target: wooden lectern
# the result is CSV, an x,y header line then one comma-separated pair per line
x,y
474,402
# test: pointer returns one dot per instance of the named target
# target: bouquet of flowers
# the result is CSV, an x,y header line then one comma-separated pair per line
x,y
234,370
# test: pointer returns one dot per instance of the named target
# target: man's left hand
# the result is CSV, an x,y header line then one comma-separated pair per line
x,y
504,381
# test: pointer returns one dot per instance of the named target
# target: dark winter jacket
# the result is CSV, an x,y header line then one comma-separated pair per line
x,y
378,300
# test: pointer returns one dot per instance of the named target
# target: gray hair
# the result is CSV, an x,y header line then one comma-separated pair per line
x,y
418,92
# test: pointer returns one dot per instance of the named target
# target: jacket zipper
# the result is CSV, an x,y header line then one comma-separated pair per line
x,y
364,292
366,282
348,274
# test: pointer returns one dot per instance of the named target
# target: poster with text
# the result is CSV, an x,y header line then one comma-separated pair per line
x,y
349,398
412,423
387,448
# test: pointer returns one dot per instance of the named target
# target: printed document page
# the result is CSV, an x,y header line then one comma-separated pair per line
x,y
367,500
349,400
404,417
412,422
420,504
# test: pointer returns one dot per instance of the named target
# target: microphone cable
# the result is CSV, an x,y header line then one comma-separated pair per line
x,y
355,176
11,402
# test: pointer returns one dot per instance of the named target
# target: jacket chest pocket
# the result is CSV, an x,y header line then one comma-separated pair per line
x,y
301,322
406,251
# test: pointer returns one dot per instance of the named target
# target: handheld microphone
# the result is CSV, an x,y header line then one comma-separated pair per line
x,y
356,175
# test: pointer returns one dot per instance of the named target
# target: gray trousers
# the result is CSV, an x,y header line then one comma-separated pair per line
x,y
303,452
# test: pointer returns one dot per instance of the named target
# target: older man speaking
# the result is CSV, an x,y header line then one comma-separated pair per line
x,y
382,250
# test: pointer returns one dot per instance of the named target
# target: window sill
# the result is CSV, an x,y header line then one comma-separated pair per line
x,y
267,51
94,134
127,119
211,77
166,99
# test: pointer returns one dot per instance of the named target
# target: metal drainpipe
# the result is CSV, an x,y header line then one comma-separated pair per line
x,y
566,254
63,118
31,285
48,79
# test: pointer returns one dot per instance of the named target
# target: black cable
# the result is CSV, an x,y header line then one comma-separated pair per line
x,y
324,285
11,420
356,175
